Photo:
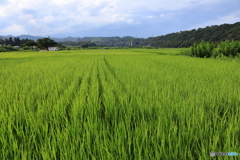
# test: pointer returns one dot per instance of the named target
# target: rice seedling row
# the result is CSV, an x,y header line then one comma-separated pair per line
x,y
119,104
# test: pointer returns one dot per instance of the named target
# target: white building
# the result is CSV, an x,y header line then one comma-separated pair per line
x,y
53,48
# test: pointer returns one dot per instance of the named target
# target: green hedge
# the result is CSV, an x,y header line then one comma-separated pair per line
x,y
205,49
7,48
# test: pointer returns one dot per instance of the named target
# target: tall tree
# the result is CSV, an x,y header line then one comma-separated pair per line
x,y
44,43
10,41
16,41
30,43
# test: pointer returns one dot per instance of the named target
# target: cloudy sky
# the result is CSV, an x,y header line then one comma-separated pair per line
x,y
138,18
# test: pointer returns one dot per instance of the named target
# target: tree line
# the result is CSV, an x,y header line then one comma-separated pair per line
x,y
214,34
83,44
208,49
11,44
182,39
16,41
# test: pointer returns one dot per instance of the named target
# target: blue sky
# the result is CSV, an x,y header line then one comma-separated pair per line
x,y
138,18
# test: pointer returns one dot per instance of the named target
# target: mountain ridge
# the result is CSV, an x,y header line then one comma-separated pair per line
x,y
214,33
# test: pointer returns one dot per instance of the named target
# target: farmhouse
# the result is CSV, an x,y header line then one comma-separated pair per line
x,y
53,48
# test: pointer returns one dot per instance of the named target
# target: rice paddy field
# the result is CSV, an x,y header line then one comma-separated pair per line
x,y
123,104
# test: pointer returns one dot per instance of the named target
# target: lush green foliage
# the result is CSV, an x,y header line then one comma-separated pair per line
x,y
44,43
117,104
78,43
227,48
214,33
7,48
16,41
115,41
26,44
30,43
182,39
205,49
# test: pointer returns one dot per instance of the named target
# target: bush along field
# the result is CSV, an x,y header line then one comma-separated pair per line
x,y
117,104
206,49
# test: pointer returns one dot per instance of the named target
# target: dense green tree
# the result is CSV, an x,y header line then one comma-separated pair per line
x,y
10,41
84,46
214,34
106,41
16,41
22,41
13,41
207,49
61,47
30,43
79,43
44,43
1,41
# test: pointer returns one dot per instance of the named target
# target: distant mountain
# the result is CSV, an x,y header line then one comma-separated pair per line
x,y
69,38
23,37
30,37
77,39
104,41
214,33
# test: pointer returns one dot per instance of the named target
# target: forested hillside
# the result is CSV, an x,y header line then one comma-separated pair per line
x,y
104,41
116,41
213,33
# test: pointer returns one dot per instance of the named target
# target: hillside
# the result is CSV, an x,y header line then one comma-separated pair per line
x,y
108,41
114,41
215,33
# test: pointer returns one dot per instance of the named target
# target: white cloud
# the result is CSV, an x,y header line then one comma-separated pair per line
x,y
162,15
60,2
48,19
55,16
231,18
130,21
14,29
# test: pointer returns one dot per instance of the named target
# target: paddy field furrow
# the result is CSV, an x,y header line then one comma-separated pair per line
x,y
120,93
109,68
101,98
117,104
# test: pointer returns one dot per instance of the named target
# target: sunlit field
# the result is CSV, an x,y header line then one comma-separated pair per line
x,y
117,104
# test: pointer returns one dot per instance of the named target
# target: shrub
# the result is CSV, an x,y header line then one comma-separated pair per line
x,y
203,49
27,48
2,49
227,48
186,51
95,47
84,46
7,48
148,47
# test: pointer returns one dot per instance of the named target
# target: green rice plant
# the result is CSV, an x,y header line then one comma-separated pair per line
x,y
117,104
